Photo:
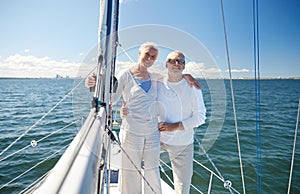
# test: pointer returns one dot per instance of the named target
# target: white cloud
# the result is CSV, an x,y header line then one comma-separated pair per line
x,y
30,66
200,70
26,51
121,65
125,1
239,70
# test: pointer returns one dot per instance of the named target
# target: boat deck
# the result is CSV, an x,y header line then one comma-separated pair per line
x,y
166,189
115,164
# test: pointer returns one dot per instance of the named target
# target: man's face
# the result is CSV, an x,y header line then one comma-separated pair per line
x,y
175,63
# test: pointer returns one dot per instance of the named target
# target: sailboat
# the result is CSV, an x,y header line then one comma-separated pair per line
x,y
89,164
85,166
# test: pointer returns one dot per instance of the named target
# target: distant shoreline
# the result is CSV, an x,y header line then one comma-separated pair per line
x,y
72,78
54,78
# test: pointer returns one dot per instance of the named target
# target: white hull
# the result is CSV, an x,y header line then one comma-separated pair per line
x,y
78,170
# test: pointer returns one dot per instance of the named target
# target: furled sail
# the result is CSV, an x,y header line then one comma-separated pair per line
x,y
81,168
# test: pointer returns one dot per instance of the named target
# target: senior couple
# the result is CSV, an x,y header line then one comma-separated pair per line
x,y
159,113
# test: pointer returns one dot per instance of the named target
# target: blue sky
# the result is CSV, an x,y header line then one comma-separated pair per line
x,y
49,37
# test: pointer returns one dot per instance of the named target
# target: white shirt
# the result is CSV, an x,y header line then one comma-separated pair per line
x,y
178,102
142,117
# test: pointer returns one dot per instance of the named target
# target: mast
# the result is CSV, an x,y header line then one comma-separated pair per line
x,y
81,168
112,80
107,45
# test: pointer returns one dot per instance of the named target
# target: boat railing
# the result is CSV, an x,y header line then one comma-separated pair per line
x,y
226,183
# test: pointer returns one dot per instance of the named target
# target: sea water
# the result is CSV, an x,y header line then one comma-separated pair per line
x,y
23,102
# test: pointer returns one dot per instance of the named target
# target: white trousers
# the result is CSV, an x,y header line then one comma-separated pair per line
x,y
140,149
181,158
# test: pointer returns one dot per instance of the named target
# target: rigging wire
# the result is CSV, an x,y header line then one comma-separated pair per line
x,y
164,172
136,168
257,96
29,187
210,160
123,150
232,97
168,177
114,45
220,177
102,68
47,158
294,148
12,154
213,164
37,122
126,53
201,165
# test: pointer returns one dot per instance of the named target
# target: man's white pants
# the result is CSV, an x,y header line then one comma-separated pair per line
x,y
140,148
181,158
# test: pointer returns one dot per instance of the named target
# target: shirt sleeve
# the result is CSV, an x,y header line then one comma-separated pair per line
x,y
198,114
121,77
201,106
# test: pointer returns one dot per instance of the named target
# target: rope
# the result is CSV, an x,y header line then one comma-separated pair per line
x,y
294,148
232,96
257,96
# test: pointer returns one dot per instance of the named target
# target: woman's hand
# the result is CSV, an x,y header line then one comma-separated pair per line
x,y
192,81
90,81
123,110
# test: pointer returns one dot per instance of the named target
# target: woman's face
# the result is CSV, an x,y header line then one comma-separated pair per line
x,y
147,56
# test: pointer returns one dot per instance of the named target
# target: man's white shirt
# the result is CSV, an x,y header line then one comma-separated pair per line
x,y
178,102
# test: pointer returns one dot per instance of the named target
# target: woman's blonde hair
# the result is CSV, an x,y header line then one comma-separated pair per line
x,y
147,45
